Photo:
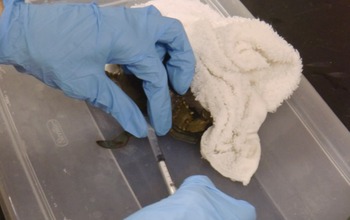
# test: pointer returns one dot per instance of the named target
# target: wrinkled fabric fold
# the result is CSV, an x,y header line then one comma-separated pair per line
x,y
244,70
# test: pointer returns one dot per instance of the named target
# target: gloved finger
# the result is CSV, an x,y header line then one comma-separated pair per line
x,y
181,65
103,93
197,198
204,190
155,84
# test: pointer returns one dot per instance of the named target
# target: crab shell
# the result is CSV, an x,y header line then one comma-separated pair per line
x,y
189,118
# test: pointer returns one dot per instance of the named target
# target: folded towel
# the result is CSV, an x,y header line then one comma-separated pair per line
x,y
244,70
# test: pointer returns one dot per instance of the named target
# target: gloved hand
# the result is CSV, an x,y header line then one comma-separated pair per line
x,y
197,198
67,46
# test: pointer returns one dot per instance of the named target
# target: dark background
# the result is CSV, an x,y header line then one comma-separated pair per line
x,y
320,31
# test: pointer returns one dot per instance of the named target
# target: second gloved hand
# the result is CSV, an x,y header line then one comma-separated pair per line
x,y
197,198
67,46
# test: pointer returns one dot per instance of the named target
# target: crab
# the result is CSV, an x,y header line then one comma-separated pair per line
x,y
189,119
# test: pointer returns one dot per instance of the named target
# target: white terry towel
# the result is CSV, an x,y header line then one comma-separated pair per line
x,y
244,70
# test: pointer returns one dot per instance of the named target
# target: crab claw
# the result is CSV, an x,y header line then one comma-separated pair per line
x,y
120,141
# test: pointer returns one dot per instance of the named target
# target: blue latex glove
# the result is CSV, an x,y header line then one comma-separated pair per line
x,y
197,198
67,46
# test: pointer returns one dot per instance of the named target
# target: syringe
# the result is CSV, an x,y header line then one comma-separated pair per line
x,y
153,140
